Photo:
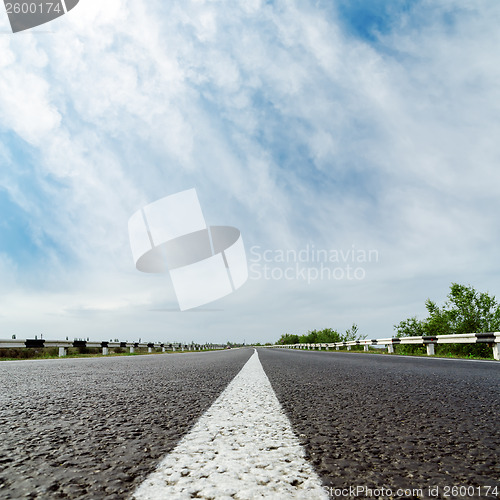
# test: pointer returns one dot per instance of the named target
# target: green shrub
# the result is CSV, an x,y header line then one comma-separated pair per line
x,y
410,349
465,311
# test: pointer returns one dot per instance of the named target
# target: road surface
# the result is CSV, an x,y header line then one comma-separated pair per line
x,y
292,424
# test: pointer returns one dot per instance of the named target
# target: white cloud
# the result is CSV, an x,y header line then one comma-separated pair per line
x,y
289,128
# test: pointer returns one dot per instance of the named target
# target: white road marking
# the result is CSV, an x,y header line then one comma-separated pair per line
x,y
242,448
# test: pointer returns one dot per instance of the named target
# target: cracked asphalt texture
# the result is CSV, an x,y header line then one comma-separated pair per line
x,y
390,421
95,428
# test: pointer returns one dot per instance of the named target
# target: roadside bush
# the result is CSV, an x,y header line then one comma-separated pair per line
x,y
410,349
325,336
17,353
465,311
465,350
31,353
51,351
357,348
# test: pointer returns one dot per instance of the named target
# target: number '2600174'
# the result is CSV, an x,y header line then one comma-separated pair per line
x,y
24,15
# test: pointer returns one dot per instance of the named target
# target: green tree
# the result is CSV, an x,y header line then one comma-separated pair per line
x,y
325,336
328,336
311,337
470,311
288,338
411,327
352,334
465,311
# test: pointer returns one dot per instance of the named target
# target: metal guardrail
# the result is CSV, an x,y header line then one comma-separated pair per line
x,y
492,338
64,345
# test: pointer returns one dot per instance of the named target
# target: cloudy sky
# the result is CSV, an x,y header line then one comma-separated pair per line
x,y
367,131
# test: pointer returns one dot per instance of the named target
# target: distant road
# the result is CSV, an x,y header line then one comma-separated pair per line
x,y
96,428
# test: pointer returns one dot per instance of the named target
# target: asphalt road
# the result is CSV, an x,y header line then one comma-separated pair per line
x,y
374,421
95,428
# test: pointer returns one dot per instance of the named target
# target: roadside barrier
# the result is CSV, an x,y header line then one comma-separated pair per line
x,y
491,338
64,345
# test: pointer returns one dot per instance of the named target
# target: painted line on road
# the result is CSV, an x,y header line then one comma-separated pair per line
x,y
243,447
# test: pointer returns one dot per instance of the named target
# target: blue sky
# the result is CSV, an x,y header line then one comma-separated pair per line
x,y
368,20
338,125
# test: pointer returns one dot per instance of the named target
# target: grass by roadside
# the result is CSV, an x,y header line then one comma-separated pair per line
x,y
19,354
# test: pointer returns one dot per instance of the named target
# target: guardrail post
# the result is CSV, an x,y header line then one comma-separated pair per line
x,y
429,343
337,348
131,349
348,347
366,347
105,350
390,348
496,351
63,351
